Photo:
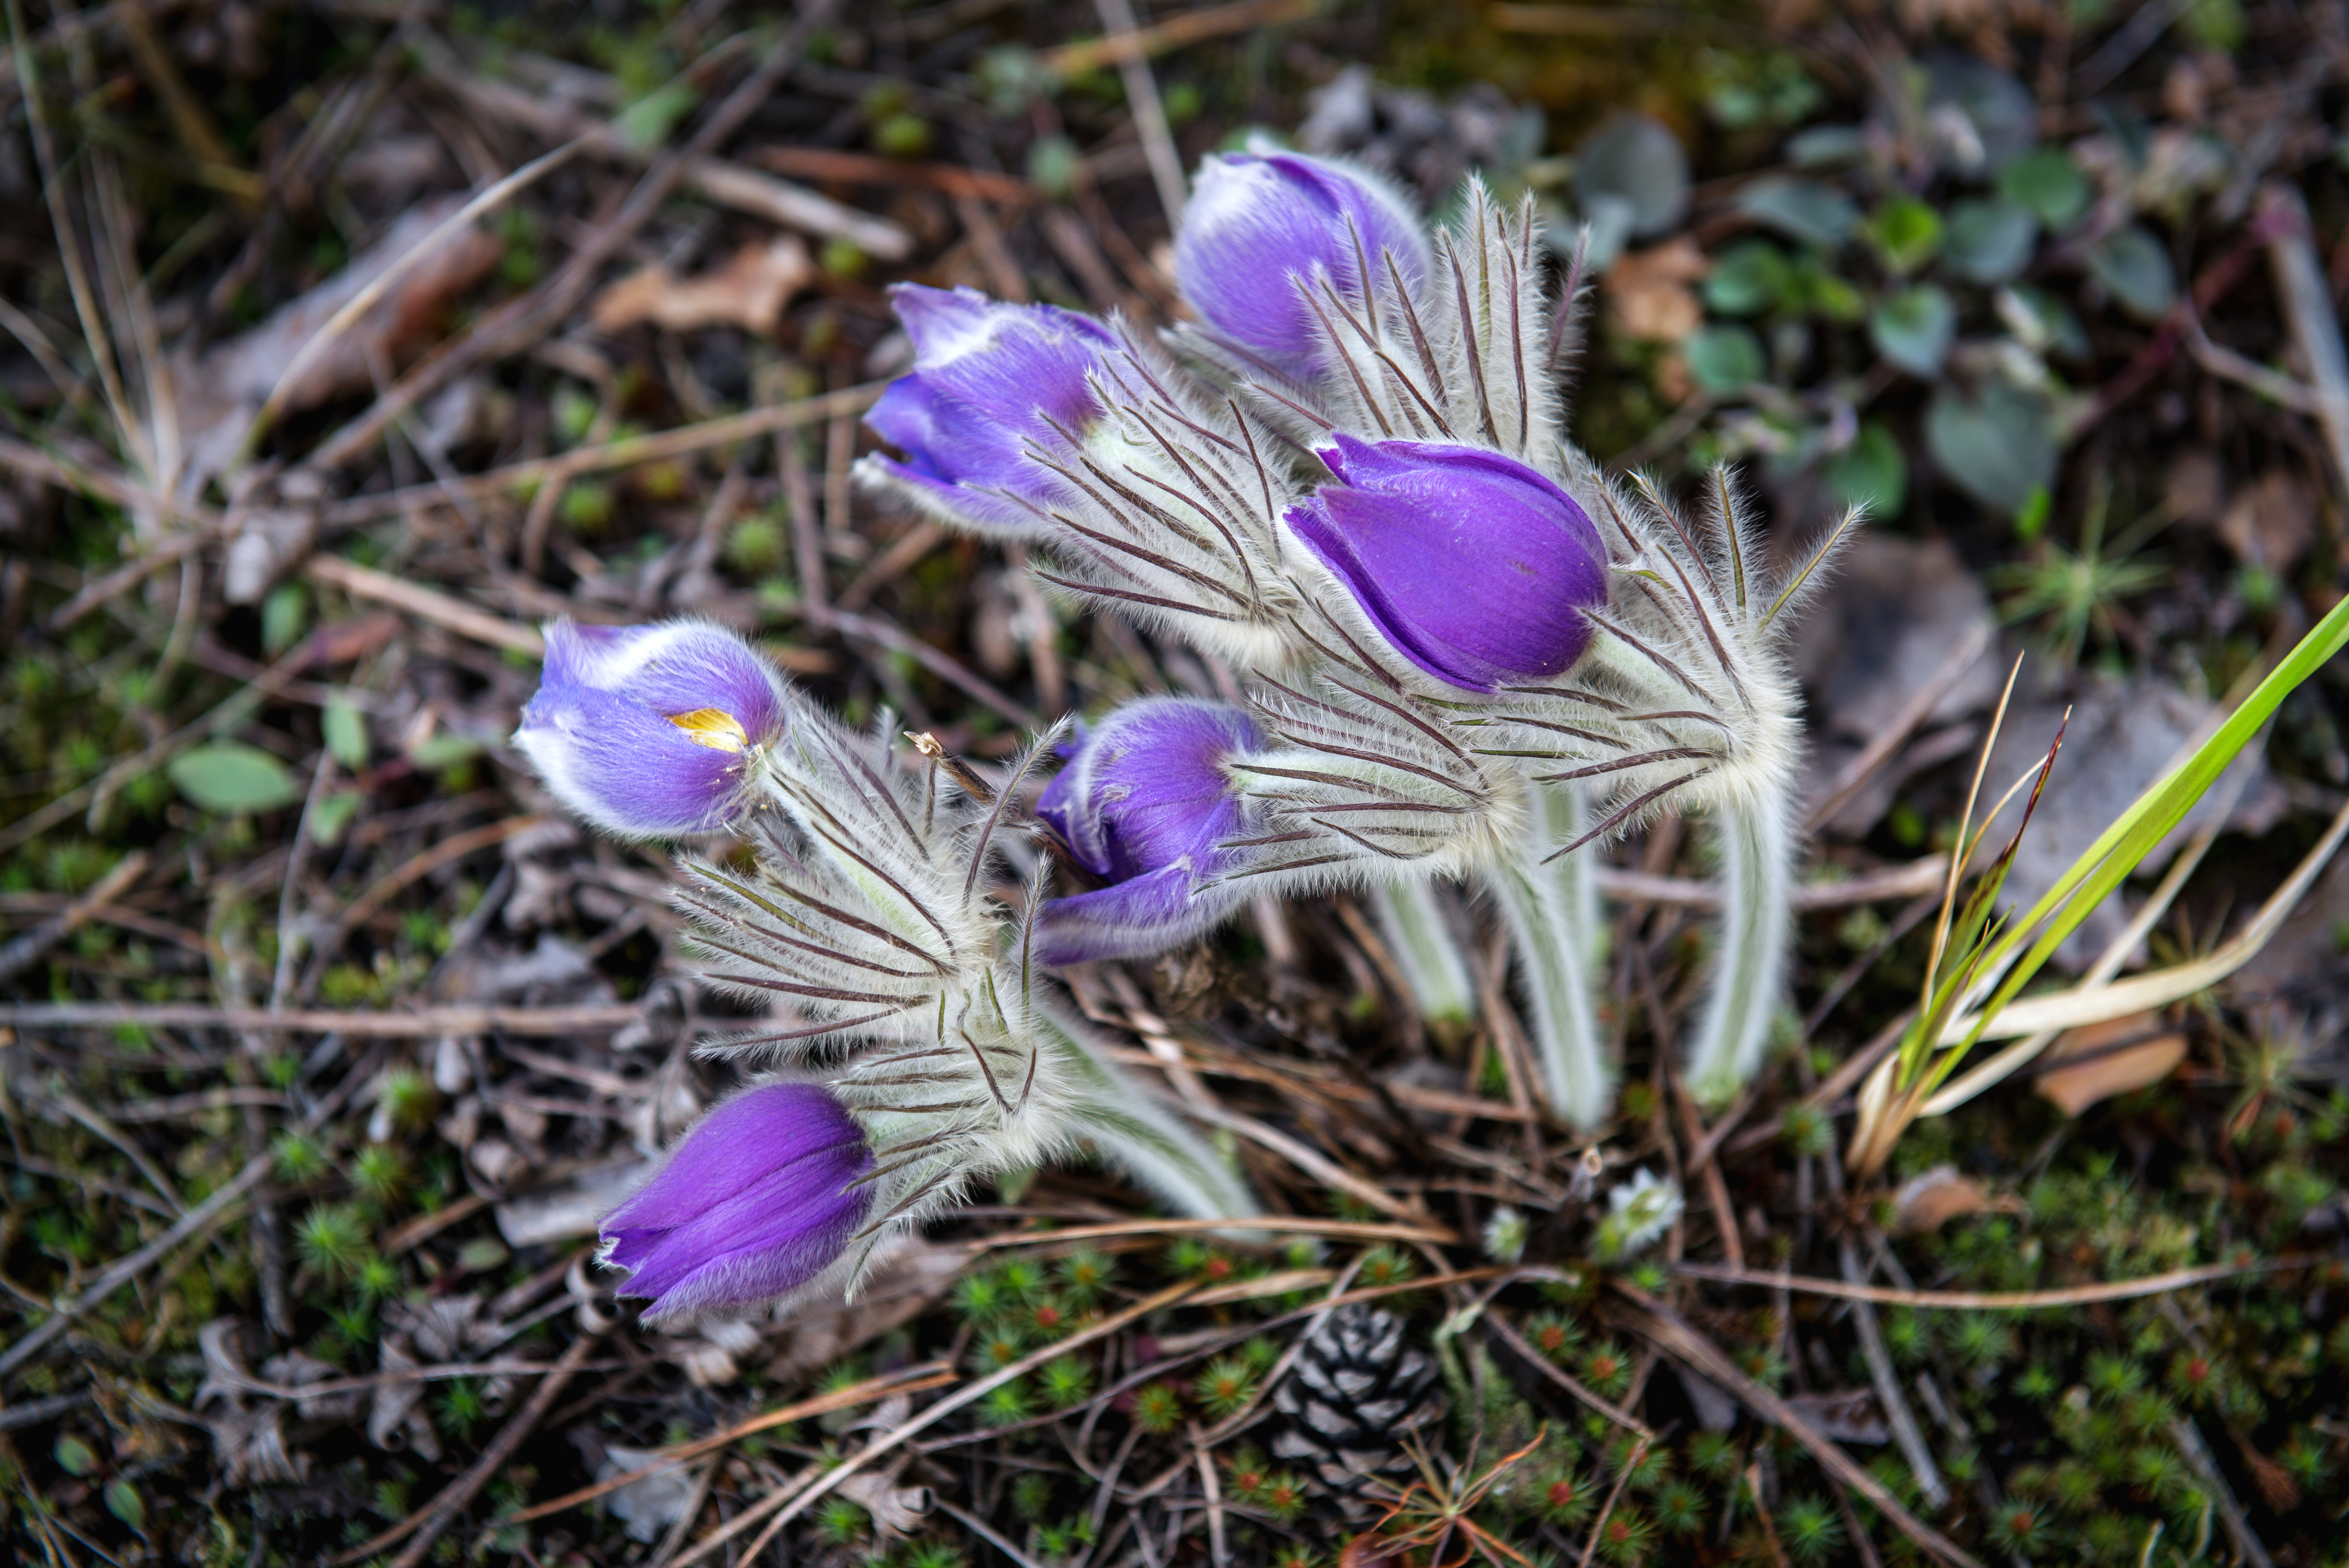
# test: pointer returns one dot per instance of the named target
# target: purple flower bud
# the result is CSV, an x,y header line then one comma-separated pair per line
x,y
1477,568
643,730
758,1200
988,378
1144,804
1260,225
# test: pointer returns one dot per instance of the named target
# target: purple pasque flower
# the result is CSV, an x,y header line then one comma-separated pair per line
x,y
1475,567
759,1199
645,730
1145,804
1262,227
987,379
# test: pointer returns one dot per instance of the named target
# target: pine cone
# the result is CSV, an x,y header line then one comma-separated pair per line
x,y
1355,1391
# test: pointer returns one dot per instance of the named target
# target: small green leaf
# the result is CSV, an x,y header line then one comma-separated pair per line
x,y
2047,184
1637,158
2136,270
2042,323
1819,291
1997,444
574,414
2215,25
443,749
2031,517
122,1502
332,815
1994,105
1826,146
1990,242
1724,358
1052,162
74,1456
1914,327
903,136
1804,210
844,258
230,777
586,506
1906,233
1872,472
346,731
285,616
645,124
1747,279
481,1255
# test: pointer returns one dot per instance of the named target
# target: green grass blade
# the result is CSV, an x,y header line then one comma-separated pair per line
x,y
2123,846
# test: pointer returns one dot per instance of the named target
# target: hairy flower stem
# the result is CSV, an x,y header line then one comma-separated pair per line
x,y
1138,1133
1552,915
1749,977
1410,918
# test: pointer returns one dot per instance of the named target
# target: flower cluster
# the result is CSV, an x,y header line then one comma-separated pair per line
x,y
916,1049
1468,652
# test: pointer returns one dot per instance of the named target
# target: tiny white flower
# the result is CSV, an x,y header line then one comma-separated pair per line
x,y
1505,1235
1639,1211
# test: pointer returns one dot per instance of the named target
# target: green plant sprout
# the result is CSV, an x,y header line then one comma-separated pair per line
x,y
2075,593
1978,957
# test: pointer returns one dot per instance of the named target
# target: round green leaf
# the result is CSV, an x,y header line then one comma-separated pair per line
x,y
74,1456
346,731
645,124
2042,323
1819,291
122,1502
1871,472
1990,242
2047,184
1997,106
333,814
1914,327
1826,146
1635,157
1804,210
1052,165
1747,279
1997,444
1724,358
2136,271
285,616
1906,233
229,777
443,749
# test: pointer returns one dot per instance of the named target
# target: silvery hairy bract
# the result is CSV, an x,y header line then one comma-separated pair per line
x,y
1472,654
910,1045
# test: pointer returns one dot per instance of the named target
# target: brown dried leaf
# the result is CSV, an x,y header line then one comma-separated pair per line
x,y
397,1419
896,1508
220,394
2278,1489
648,1507
248,1436
1928,1201
2197,491
1649,291
902,1288
749,292
2100,1060
2272,523
297,1368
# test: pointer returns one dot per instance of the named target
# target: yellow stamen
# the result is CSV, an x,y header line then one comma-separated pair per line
x,y
712,727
